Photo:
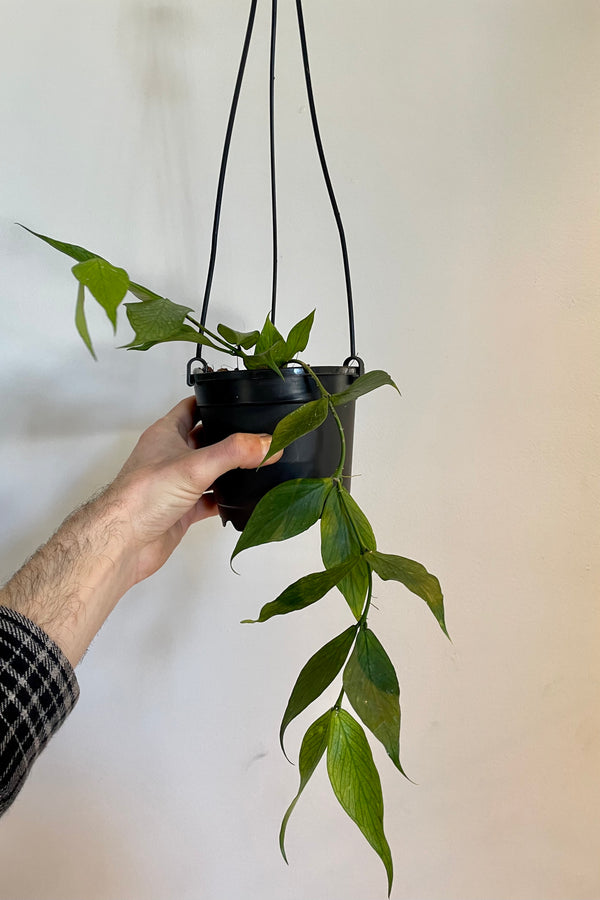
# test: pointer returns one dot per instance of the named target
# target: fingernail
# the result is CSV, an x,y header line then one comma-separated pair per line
x,y
265,440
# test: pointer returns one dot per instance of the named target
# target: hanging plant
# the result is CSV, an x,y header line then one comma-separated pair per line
x,y
349,550
310,412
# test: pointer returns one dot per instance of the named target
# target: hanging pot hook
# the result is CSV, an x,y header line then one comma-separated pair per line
x,y
189,374
359,361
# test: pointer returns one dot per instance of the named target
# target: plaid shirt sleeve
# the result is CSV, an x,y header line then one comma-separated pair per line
x,y
38,689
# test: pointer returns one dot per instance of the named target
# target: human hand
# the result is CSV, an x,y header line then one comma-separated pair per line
x,y
162,486
72,583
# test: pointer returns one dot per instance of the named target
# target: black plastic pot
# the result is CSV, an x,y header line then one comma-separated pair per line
x,y
255,401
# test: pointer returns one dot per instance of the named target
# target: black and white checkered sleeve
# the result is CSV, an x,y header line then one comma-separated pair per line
x,y
38,689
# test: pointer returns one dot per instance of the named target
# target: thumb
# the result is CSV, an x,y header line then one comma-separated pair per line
x,y
238,451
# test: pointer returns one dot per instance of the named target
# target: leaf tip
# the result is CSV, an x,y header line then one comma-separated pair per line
x,y
442,623
282,838
398,765
263,461
283,748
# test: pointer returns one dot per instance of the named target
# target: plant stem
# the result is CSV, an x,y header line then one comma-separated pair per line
x,y
325,393
227,347
363,619
315,378
340,469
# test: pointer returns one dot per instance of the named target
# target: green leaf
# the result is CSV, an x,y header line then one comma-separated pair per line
x,y
107,284
271,350
244,339
363,385
371,685
80,321
312,749
297,423
298,337
271,358
354,588
302,593
355,782
415,577
156,319
345,534
287,510
316,676
72,250
268,337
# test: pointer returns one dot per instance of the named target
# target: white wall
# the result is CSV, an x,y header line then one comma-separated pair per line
x,y
463,141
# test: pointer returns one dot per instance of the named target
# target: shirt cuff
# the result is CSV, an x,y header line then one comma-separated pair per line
x,y
38,690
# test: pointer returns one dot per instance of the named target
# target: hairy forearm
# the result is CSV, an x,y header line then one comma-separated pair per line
x,y
72,583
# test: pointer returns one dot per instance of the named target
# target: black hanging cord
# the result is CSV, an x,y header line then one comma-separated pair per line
x,y
330,191
272,145
223,169
321,152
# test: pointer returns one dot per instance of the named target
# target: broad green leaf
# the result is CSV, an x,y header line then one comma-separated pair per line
x,y
156,319
272,350
244,339
302,593
363,385
72,250
345,534
371,685
354,587
271,358
287,510
107,284
298,337
312,749
143,293
297,423
268,337
80,321
355,782
316,676
415,577
82,255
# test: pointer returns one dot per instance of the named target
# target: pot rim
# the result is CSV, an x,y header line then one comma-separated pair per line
x,y
289,372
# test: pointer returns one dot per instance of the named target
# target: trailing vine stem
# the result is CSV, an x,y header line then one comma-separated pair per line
x,y
362,623
337,475
363,619
194,322
227,347
338,702
340,469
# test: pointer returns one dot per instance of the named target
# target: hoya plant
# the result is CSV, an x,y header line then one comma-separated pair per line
x,y
369,695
